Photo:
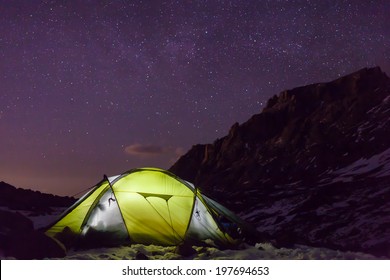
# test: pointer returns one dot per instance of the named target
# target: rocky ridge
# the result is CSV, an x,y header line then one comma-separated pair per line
x,y
312,168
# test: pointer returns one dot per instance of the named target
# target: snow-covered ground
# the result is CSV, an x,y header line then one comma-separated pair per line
x,y
153,252
259,251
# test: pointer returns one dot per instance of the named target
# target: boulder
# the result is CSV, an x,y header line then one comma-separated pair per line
x,y
32,245
19,240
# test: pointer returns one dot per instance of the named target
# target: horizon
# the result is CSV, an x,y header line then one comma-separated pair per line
x,y
88,90
83,191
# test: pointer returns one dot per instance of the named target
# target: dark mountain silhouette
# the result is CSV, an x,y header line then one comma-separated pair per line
x,y
23,199
312,168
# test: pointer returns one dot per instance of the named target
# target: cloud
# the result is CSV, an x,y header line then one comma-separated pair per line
x,y
140,150
152,150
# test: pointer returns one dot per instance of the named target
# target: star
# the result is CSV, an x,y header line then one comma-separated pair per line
x,y
81,82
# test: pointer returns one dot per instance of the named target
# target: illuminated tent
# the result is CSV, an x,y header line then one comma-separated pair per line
x,y
148,206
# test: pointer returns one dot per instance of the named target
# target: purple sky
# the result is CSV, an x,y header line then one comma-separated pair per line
x,y
99,87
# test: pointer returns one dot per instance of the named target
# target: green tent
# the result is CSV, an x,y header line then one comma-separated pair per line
x,y
148,206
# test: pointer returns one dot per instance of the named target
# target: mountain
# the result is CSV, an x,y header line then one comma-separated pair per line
x,y
312,168
22,199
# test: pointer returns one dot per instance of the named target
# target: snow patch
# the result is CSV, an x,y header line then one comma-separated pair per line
x,y
39,221
377,165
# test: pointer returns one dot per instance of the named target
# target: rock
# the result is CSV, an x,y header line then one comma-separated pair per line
x,y
10,221
32,245
185,249
315,164
19,240
141,256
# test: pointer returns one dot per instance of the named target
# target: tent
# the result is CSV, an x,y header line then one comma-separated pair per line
x,y
148,206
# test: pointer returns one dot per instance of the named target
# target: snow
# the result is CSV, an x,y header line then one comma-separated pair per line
x,y
251,214
376,166
378,108
330,208
378,120
280,207
379,163
259,251
39,221
245,252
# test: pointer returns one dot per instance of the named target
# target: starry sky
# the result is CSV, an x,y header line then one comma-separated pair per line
x,y
99,87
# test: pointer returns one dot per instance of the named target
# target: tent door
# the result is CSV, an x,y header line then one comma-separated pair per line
x,y
105,225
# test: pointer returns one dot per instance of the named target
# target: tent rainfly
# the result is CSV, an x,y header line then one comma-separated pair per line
x,y
148,206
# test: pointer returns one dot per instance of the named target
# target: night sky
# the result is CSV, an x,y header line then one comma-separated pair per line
x,y
99,87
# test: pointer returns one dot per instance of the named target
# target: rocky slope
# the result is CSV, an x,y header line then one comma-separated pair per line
x,y
312,168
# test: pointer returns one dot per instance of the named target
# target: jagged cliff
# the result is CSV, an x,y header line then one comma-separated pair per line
x,y
312,168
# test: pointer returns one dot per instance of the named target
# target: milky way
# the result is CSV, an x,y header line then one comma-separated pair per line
x,y
99,87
